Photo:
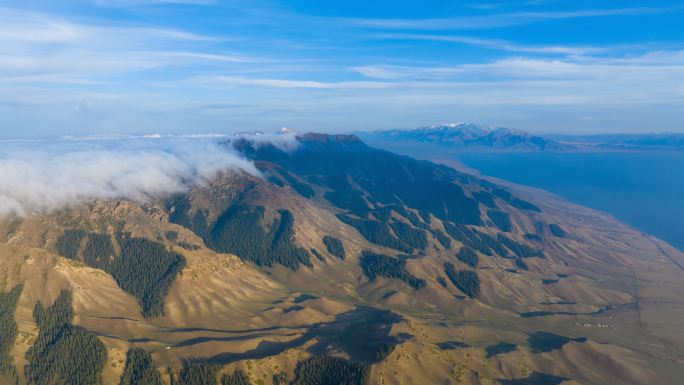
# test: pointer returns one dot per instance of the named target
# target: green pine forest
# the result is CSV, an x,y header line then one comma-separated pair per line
x,y
468,256
140,369
239,230
466,281
144,268
380,265
326,370
335,246
8,330
63,353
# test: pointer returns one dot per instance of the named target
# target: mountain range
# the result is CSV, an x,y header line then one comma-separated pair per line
x,y
470,137
337,263
482,138
651,141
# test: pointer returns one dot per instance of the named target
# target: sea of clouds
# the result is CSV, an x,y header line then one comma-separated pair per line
x,y
41,176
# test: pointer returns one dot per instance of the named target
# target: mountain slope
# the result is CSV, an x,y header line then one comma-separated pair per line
x,y
264,285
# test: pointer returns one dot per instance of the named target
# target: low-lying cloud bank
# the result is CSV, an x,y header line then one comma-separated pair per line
x,y
43,176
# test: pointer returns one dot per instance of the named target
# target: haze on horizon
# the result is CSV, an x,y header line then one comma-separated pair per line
x,y
79,67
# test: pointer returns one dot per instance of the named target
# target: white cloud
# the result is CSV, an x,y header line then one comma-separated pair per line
x,y
287,142
42,176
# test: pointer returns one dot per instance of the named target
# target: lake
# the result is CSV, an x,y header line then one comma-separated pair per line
x,y
642,189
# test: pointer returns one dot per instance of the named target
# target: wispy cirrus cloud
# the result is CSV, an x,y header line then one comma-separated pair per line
x,y
651,78
658,66
402,72
39,47
652,70
217,57
150,66
496,20
237,81
486,6
153,2
539,2
21,27
499,44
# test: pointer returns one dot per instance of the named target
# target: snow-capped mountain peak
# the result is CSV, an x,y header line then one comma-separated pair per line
x,y
471,135
286,130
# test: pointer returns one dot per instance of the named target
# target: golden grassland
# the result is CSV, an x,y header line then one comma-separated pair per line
x,y
262,321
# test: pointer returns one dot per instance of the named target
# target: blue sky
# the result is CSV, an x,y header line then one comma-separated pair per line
x,y
79,67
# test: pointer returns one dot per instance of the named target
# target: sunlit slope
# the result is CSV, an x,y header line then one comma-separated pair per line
x,y
563,267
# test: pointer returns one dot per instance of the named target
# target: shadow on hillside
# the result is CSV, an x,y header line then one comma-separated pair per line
x,y
362,338
542,342
304,297
501,348
535,378
451,345
191,330
359,333
546,313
